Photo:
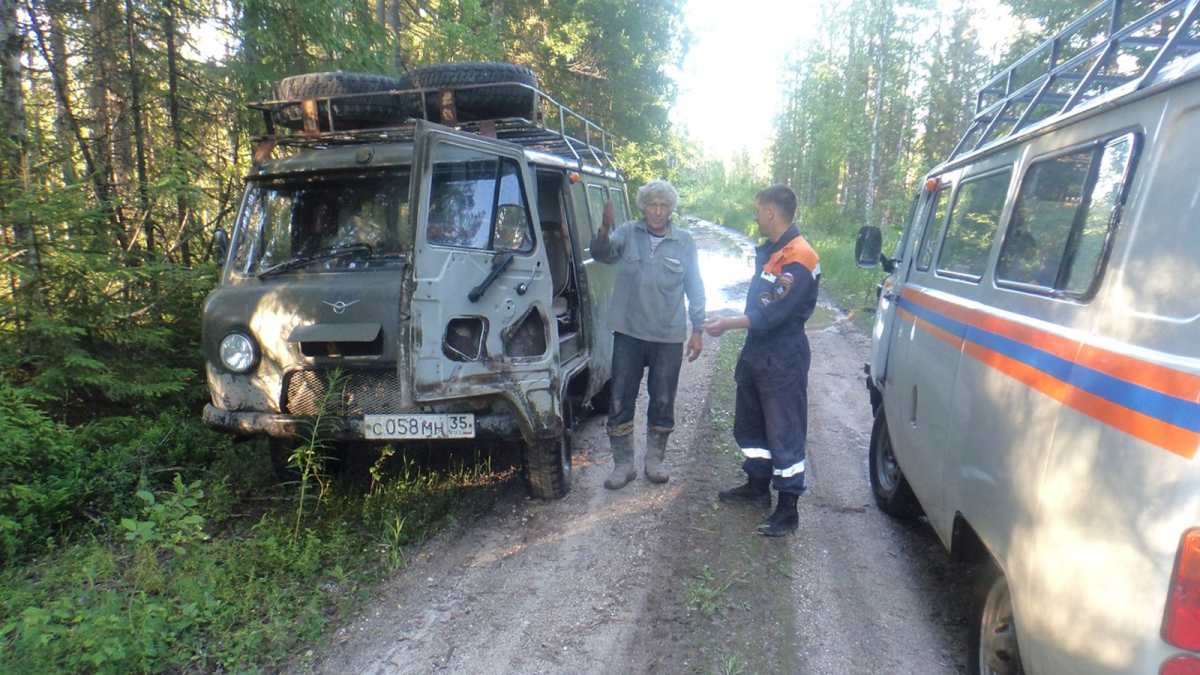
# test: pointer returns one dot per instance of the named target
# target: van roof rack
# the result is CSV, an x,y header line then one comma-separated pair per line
x,y
1094,55
549,126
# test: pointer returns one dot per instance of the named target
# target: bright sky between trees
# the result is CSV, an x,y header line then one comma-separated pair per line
x,y
729,84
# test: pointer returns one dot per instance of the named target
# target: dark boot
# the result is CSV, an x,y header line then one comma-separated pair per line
x,y
756,492
623,469
786,518
656,448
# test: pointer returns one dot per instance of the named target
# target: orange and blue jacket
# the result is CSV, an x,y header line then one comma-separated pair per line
x,y
782,295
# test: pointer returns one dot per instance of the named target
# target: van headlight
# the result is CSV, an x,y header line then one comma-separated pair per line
x,y
238,352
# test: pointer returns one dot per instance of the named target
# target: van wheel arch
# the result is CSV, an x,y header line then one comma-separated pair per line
x,y
993,647
547,462
892,492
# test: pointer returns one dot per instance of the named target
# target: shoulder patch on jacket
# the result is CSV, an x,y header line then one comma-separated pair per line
x,y
797,250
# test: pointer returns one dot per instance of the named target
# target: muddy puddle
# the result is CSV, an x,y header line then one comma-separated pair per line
x,y
727,263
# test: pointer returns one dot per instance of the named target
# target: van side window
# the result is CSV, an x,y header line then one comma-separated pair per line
x,y
479,204
618,199
973,221
1062,218
596,198
933,225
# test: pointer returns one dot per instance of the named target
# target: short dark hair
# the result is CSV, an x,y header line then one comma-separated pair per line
x,y
781,197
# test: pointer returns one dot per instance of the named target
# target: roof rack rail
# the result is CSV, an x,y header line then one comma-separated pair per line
x,y
1096,54
548,126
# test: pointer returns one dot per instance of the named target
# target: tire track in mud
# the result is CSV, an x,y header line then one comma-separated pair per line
x,y
538,587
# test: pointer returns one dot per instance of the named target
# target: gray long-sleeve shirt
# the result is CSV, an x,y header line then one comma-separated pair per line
x,y
647,302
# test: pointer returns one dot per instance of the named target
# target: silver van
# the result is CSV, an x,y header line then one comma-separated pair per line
x,y
411,262
1035,363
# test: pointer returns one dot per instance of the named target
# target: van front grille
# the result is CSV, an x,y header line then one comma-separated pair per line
x,y
362,392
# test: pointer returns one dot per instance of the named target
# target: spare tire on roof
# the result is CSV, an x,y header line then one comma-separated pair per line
x,y
477,103
360,112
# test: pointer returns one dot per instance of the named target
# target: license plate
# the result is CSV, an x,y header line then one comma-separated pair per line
x,y
422,426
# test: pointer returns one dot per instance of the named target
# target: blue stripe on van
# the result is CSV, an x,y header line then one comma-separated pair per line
x,y
1170,409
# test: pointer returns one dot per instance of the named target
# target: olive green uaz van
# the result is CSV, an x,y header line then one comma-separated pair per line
x,y
411,261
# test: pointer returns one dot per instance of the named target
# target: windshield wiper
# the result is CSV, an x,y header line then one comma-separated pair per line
x,y
330,253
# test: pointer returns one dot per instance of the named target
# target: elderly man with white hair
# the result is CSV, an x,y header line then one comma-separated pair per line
x,y
658,268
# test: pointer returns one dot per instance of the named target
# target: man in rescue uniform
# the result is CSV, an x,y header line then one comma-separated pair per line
x,y
771,413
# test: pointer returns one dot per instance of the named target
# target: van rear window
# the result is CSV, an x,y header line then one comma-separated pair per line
x,y
973,222
1061,222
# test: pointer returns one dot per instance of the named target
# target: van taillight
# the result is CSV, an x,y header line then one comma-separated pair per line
x,y
1181,625
1184,664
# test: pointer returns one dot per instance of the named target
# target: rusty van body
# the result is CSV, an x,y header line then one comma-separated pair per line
x,y
411,261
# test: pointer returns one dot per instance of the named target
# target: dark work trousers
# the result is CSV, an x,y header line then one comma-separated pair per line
x,y
631,357
771,418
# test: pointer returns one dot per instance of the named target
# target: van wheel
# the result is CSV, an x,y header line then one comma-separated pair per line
x,y
351,113
548,463
892,492
482,103
993,639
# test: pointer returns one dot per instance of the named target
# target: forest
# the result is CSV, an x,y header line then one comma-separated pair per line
x,y
124,147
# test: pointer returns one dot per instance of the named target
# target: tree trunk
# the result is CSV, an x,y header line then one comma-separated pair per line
x,y
139,130
174,96
880,68
57,61
14,178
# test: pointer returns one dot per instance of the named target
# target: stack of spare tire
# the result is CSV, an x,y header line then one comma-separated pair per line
x,y
363,112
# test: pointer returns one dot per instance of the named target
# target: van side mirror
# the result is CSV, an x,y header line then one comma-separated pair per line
x,y
220,246
867,247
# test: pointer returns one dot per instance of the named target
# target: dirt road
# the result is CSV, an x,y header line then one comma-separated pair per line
x,y
664,579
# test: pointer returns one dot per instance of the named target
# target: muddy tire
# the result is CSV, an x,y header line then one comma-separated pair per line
x,y
548,464
892,492
349,113
992,643
480,103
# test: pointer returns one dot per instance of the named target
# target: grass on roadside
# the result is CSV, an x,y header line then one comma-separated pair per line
x,y
741,622
229,573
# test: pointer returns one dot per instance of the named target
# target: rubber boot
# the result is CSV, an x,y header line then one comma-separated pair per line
x,y
623,469
656,448
786,518
756,492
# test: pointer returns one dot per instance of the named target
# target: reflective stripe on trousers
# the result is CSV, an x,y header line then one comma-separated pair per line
x,y
771,418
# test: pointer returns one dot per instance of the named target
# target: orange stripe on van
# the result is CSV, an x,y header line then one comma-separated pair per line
x,y
1150,375
1156,432
969,329
945,336
1020,371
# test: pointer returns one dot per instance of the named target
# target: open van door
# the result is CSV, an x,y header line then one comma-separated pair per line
x,y
481,318
898,269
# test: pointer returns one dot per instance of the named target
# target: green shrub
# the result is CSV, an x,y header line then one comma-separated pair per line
x,y
40,475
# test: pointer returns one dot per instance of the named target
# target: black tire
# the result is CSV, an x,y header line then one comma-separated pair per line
x,y
476,104
548,463
348,113
892,492
992,644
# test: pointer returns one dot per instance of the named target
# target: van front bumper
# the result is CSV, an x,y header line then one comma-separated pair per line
x,y
488,427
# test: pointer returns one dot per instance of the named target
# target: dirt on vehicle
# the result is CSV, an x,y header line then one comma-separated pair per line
x,y
663,578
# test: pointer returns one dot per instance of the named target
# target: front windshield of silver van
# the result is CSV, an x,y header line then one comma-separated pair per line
x,y
323,223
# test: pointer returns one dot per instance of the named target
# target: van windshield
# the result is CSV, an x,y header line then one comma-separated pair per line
x,y
325,223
